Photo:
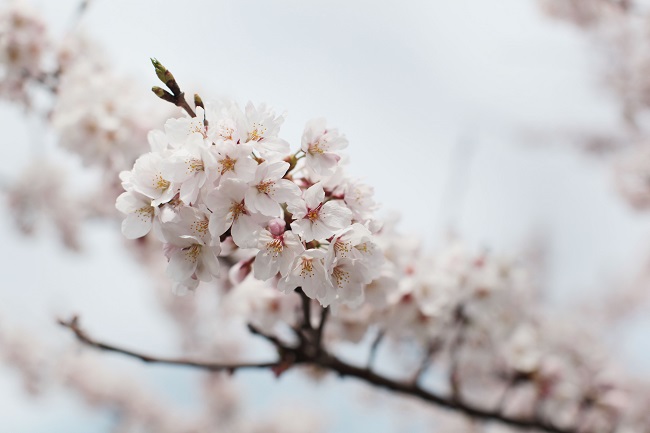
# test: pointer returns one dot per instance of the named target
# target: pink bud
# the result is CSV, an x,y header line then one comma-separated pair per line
x,y
276,226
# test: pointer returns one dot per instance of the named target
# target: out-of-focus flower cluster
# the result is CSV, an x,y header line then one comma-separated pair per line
x,y
619,31
23,42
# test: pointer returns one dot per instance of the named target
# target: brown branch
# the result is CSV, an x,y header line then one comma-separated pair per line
x,y
306,355
306,309
83,337
321,327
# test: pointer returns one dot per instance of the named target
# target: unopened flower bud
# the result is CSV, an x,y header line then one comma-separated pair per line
x,y
198,102
163,94
166,77
277,226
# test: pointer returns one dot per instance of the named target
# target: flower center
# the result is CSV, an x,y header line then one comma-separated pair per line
x,y
227,164
306,267
341,277
194,165
342,248
313,214
145,213
257,133
316,148
226,129
192,253
265,187
200,227
275,247
160,183
237,209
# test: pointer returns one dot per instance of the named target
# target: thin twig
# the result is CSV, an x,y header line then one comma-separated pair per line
x,y
73,325
432,349
373,348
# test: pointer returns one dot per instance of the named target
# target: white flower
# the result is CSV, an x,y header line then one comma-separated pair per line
x,y
359,198
315,219
148,178
229,211
139,214
268,189
180,130
356,243
234,162
308,272
262,127
277,253
189,257
347,281
321,146
189,167
189,221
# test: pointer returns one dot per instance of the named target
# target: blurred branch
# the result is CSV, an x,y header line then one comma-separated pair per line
x,y
306,354
83,337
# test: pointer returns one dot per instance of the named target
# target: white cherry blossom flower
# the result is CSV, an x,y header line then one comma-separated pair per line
x,y
229,211
356,243
268,189
191,249
148,178
190,166
234,161
359,198
316,219
321,146
308,272
139,214
277,253
190,257
181,129
262,127
190,221
347,280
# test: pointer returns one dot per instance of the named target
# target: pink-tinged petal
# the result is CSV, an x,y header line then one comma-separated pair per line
x,y
298,227
319,231
182,263
245,169
219,223
285,191
245,232
157,140
297,208
276,170
322,164
314,195
267,206
208,264
336,215
273,145
129,202
138,223
265,266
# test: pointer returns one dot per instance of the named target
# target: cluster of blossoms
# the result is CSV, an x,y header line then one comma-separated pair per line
x,y
23,41
105,128
224,180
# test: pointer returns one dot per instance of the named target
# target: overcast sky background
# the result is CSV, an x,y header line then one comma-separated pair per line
x,y
408,82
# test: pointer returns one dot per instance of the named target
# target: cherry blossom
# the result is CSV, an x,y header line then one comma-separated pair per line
x,y
316,218
268,189
321,146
